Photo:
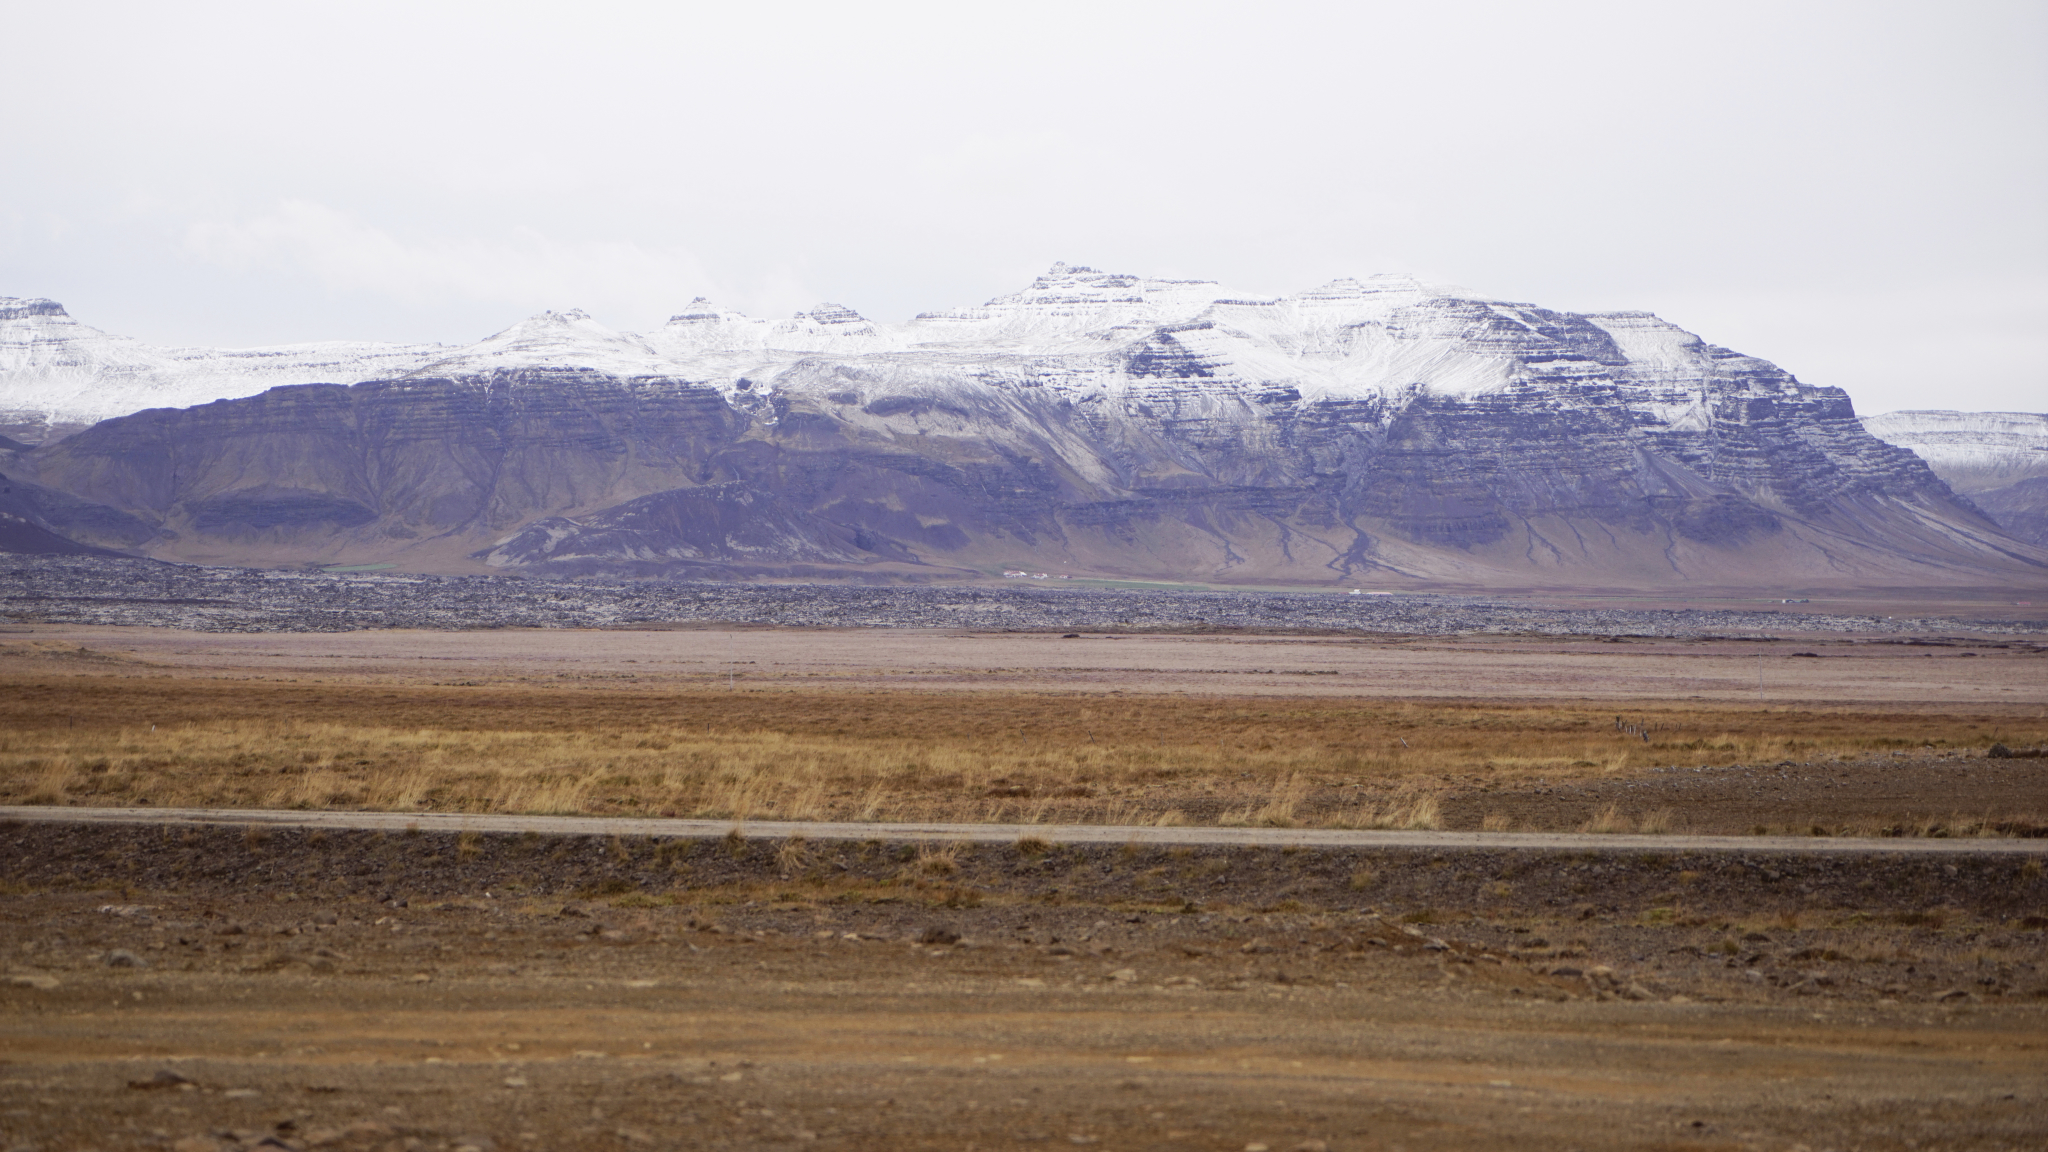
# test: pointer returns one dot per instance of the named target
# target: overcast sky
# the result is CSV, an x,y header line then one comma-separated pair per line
x,y
1858,191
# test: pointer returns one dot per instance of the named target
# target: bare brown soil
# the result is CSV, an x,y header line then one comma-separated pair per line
x,y
356,991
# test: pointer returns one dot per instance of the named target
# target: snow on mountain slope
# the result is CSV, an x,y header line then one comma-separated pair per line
x,y
709,329
1090,335
1067,308
59,375
1077,331
556,340
1973,451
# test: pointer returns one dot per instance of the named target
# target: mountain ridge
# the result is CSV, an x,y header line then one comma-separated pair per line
x,y
1102,423
58,376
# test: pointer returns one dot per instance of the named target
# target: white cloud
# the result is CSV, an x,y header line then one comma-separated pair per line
x,y
525,268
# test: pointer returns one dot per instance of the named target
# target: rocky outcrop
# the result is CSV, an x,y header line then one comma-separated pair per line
x,y
1099,424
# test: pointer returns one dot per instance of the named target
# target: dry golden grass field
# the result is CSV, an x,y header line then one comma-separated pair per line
x,y
586,729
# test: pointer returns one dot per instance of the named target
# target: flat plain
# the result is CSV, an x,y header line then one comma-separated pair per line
x,y
1873,735
368,990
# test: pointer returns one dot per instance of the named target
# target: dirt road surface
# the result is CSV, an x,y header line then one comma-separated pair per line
x,y
1012,833
211,987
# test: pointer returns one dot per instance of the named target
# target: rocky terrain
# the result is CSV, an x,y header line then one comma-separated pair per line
x,y
1093,424
119,590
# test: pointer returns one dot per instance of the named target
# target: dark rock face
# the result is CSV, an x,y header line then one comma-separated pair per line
x,y
401,460
711,530
35,520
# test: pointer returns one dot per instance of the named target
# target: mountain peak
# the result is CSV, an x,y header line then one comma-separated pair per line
x,y
833,314
573,324
567,338
23,307
555,318
700,310
1371,295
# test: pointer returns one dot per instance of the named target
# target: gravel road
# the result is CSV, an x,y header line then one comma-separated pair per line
x,y
1008,833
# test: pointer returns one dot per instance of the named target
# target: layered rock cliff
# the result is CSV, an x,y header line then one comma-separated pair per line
x,y
1096,424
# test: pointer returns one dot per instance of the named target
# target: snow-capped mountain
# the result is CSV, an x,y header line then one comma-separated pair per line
x,y
1973,451
57,375
1997,459
1097,422
1074,328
